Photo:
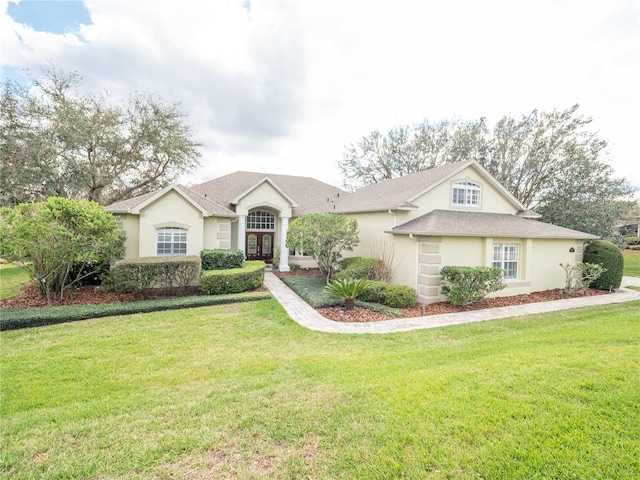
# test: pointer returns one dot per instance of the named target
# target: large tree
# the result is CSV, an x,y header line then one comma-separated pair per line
x,y
525,154
536,157
587,198
58,141
59,241
323,236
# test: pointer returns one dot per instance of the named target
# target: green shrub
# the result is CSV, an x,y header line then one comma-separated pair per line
x,y
294,267
221,259
466,285
580,275
359,267
347,290
16,318
395,296
610,257
375,292
88,273
235,280
145,273
346,262
400,296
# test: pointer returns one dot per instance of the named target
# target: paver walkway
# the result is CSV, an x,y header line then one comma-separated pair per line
x,y
305,315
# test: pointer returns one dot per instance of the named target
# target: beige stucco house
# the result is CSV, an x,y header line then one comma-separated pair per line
x,y
456,214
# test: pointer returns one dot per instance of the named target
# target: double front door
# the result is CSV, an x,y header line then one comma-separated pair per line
x,y
259,246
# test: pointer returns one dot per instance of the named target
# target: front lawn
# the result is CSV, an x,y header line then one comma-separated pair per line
x,y
631,263
240,391
12,279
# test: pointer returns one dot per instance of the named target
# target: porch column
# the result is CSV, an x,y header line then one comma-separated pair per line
x,y
284,251
242,231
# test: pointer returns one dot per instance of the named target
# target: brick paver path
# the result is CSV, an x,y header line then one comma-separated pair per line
x,y
305,315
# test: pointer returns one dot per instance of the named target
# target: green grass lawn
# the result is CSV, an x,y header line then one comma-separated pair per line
x,y
632,263
12,279
240,391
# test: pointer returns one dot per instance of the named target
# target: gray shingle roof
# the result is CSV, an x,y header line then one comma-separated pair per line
x,y
397,192
479,224
208,205
310,195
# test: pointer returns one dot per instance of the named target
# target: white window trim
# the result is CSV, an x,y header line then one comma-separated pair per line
x,y
503,261
469,188
260,214
175,242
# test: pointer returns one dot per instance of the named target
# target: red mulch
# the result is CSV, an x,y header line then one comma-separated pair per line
x,y
359,314
363,315
31,297
96,295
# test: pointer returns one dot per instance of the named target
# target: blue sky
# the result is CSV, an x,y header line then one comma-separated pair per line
x,y
283,86
53,16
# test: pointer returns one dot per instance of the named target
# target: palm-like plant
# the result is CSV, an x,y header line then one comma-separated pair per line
x,y
347,289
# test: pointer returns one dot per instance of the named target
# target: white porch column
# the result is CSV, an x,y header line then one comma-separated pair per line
x,y
242,231
284,251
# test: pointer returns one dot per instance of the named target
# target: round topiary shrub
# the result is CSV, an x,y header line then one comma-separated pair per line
x,y
610,257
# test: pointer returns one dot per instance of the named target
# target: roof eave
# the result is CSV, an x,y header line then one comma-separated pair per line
x,y
489,234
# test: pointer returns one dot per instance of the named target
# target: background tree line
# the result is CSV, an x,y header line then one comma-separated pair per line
x,y
57,141
550,161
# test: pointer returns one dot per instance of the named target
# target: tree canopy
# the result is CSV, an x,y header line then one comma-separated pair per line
x,y
57,141
323,236
48,239
550,161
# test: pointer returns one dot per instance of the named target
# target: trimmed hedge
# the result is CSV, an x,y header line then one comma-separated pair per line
x,y
17,318
145,273
610,257
395,296
236,280
221,259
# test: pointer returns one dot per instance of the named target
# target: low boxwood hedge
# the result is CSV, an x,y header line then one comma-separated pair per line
x,y
235,280
221,259
146,273
395,296
16,318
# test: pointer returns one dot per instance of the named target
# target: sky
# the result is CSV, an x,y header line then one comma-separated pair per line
x,y
284,86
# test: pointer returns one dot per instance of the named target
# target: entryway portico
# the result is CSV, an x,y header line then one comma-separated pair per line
x,y
263,220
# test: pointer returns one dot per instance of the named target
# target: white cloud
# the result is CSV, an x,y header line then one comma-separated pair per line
x,y
285,86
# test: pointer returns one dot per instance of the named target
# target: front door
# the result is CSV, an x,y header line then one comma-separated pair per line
x,y
259,246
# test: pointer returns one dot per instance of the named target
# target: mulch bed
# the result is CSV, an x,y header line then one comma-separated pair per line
x,y
92,295
363,315
359,314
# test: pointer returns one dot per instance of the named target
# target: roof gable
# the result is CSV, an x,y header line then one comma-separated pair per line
x,y
306,194
137,204
400,193
267,180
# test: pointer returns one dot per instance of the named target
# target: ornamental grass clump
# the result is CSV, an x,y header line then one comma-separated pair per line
x,y
347,289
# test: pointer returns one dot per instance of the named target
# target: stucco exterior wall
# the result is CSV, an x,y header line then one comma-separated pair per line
x,y
131,225
172,210
440,197
264,195
542,274
217,233
547,273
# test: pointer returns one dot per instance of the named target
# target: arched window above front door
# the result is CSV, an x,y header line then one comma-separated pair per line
x,y
261,220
